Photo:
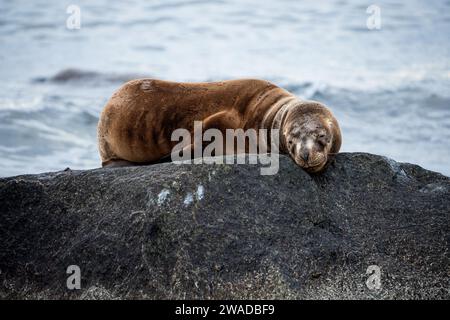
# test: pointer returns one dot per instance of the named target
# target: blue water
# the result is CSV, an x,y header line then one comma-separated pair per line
x,y
389,88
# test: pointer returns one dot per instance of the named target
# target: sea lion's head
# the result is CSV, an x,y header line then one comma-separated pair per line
x,y
311,135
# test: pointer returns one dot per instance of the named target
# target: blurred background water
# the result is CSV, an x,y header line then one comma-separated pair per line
x,y
389,88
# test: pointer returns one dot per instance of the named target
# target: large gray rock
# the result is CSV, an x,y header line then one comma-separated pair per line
x,y
225,231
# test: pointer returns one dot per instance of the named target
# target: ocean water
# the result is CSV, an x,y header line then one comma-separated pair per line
x,y
388,87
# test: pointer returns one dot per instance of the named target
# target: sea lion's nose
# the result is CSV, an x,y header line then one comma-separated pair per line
x,y
305,155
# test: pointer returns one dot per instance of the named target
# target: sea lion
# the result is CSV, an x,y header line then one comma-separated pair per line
x,y
136,124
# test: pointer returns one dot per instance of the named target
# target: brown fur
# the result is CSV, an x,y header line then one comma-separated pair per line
x,y
136,124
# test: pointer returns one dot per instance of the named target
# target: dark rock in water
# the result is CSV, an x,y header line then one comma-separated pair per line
x,y
225,231
74,74
87,77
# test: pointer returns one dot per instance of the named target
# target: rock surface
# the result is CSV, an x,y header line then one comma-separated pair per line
x,y
225,231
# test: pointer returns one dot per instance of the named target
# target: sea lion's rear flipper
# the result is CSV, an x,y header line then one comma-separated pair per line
x,y
165,159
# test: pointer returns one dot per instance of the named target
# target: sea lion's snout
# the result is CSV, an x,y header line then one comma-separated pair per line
x,y
305,155
309,154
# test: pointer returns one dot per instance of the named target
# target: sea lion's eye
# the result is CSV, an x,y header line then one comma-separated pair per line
x,y
321,139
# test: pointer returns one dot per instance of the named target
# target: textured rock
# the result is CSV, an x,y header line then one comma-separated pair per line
x,y
225,231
